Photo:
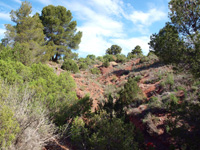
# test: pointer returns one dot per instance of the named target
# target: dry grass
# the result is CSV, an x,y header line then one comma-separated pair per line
x,y
35,126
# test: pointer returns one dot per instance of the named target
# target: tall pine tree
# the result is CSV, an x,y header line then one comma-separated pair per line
x,y
61,32
27,35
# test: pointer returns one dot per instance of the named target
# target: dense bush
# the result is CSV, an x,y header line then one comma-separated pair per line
x,y
120,58
114,50
92,57
24,120
131,93
137,51
9,72
54,90
95,71
7,53
104,133
83,66
109,57
130,56
89,61
106,63
70,65
100,58
57,90
144,59
168,45
9,127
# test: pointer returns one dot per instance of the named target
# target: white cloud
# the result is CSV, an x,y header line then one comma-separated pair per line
x,y
5,16
102,24
2,31
128,44
143,20
93,43
148,18
97,27
110,7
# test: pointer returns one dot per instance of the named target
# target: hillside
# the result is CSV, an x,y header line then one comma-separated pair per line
x,y
158,83
53,99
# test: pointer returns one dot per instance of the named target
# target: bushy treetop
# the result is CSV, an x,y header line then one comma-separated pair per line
x,y
114,50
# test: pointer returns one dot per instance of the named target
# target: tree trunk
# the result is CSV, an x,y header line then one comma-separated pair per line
x,y
55,58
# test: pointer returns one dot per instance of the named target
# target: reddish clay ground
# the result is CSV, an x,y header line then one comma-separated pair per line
x,y
116,74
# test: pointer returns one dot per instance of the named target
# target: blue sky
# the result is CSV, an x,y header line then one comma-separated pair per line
x,y
126,23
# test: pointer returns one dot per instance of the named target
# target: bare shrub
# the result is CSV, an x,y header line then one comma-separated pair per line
x,y
32,117
151,122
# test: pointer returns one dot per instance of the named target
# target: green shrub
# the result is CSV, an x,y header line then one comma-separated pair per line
x,y
9,127
89,60
113,134
130,56
92,57
120,58
54,90
138,78
173,102
114,50
137,51
83,66
80,60
131,93
78,131
111,90
106,63
70,65
95,71
6,53
109,57
144,59
21,109
11,71
169,80
152,57
100,58
104,132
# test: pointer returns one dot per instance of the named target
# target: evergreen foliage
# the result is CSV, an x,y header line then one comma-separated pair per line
x,y
185,15
83,66
60,31
120,58
9,127
167,44
27,35
95,71
70,65
130,56
131,93
109,57
137,51
24,120
106,63
55,91
114,50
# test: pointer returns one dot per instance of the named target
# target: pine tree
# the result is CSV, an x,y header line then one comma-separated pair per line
x,y
137,51
27,35
60,31
114,50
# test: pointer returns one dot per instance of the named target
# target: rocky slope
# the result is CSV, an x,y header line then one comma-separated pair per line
x,y
150,75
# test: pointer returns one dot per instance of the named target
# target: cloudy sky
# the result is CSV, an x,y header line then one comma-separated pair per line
x,y
126,23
